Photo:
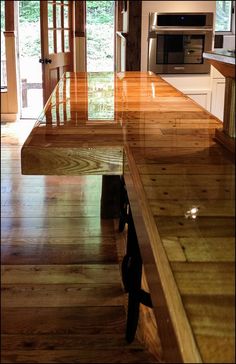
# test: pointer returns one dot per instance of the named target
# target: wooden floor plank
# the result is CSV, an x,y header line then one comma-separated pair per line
x,y
61,295
86,253
102,341
63,320
60,274
52,210
77,356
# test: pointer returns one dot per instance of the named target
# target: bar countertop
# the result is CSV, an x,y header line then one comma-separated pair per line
x,y
221,55
180,183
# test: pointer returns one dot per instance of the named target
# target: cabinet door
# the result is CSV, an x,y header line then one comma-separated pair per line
x,y
201,98
218,95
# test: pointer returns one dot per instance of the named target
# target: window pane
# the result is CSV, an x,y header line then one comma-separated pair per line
x,y
58,16
66,20
59,49
223,16
66,41
3,54
50,42
50,15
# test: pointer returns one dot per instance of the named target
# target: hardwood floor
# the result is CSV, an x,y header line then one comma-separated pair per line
x,y
62,299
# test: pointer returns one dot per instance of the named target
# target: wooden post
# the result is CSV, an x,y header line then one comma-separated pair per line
x,y
133,43
80,36
229,110
10,15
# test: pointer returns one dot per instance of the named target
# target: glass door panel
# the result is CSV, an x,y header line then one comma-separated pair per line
x,y
57,46
66,17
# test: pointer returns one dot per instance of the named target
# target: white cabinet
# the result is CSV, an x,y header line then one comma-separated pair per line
x,y
206,90
197,87
201,97
218,95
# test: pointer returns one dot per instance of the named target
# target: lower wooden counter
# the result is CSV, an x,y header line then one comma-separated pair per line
x,y
180,185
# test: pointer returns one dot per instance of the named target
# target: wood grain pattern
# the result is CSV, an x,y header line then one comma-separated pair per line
x,y
75,356
62,321
181,186
74,161
61,295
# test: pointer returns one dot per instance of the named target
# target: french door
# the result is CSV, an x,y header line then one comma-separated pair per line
x,y
56,42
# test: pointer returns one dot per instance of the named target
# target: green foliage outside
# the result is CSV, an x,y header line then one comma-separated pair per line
x,y
100,35
2,16
29,28
28,10
100,12
223,15
100,31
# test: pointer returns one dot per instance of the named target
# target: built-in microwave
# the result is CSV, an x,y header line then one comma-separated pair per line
x,y
176,42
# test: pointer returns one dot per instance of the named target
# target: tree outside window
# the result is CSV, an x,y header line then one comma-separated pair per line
x,y
224,16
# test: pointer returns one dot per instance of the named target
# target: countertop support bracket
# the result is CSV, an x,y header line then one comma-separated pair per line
x,y
132,278
124,206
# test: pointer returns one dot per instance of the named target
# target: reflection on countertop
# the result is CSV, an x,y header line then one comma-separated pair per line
x,y
93,100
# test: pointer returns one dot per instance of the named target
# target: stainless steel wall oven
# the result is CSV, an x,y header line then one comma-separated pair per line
x,y
176,42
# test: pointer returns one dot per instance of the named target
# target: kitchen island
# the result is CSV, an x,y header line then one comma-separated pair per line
x,y
180,186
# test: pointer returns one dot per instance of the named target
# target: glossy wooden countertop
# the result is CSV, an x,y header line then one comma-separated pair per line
x,y
180,185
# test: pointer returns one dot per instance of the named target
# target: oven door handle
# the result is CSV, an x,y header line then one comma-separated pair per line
x,y
178,29
154,34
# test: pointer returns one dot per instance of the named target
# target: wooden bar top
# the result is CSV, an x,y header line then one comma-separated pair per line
x,y
180,184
